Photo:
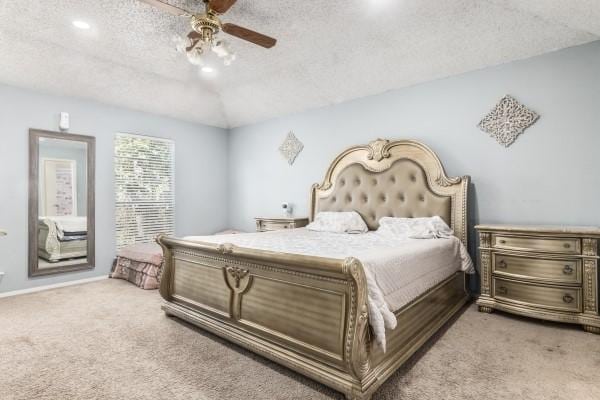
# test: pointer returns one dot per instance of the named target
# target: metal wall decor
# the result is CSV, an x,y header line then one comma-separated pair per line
x,y
291,147
507,120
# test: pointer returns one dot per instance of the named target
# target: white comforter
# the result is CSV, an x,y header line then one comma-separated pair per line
x,y
397,270
69,224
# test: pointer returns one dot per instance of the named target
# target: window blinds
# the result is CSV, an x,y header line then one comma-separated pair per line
x,y
144,188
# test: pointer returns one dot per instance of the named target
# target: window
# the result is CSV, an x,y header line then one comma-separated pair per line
x,y
144,188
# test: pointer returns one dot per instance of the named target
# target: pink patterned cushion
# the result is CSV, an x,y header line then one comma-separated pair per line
x,y
142,274
143,252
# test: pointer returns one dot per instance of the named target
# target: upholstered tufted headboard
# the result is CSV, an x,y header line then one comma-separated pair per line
x,y
403,178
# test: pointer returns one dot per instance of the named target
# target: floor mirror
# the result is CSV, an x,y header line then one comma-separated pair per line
x,y
61,202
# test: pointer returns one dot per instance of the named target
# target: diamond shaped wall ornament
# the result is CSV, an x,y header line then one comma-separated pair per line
x,y
507,120
291,147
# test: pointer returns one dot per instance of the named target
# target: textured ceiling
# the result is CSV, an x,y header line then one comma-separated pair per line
x,y
328,51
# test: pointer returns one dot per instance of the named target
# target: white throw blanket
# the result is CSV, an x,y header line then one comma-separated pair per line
x,y
397,269
396,276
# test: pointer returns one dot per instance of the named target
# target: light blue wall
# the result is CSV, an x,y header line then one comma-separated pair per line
x,y
201,174
551,174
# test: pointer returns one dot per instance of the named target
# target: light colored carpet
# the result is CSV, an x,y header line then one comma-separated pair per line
x,y
110,340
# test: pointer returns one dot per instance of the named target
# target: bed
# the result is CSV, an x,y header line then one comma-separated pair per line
x,y
62,238
309,309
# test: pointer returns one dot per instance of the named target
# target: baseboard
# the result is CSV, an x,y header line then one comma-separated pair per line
x,y
55,286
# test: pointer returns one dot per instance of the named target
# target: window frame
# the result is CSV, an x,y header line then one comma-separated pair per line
x,y
118,135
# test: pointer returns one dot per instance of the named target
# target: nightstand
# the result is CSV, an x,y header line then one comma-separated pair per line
x,y
274,224
541,272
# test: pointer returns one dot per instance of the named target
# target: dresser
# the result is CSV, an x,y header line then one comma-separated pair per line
x,y
541,271
274,224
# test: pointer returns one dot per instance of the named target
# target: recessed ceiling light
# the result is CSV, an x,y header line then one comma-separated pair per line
x,y
81,25
207,69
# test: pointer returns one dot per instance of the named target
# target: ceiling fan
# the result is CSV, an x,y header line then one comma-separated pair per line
x,y
205,27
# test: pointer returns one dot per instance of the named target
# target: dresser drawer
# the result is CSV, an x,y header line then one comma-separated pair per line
x,y
549,245
565,271
559,298
275,225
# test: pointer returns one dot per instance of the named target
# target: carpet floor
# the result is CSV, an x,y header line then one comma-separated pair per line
x,y
110,340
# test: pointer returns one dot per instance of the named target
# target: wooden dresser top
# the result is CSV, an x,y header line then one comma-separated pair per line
x,y
551,229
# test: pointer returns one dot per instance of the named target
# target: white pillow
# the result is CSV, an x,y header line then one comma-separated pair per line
x,y
338,222
415,228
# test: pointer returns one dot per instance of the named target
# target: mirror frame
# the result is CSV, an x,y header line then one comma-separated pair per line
x,y
34,167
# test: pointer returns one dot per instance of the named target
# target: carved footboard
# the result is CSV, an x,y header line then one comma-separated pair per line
x,y
307,313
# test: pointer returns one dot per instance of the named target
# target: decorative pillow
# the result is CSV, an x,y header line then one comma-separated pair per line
x,y
415,228
338,222
143,274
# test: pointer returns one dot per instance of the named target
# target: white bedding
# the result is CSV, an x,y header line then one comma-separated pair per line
x,y
397,269
68,224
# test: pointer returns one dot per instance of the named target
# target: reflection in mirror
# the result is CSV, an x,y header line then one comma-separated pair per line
x,y
60,164
62,228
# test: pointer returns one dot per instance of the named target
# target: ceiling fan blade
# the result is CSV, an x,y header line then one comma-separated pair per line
x,y
173,10
250,36
221,6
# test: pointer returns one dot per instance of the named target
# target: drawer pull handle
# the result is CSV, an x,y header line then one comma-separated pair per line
x,y
567,298
567,270
502,290
502,241
567,245
502,264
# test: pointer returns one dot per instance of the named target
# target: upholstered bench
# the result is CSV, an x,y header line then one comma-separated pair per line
x,y
140,264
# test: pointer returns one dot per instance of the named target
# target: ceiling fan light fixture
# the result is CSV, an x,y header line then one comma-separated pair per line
x,y
229,59
181,43
223,50
206,30
195,57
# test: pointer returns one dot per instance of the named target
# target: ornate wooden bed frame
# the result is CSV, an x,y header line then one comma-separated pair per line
x,y
310,313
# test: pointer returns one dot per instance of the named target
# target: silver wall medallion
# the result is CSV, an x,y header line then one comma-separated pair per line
x,y
291,147
507,120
